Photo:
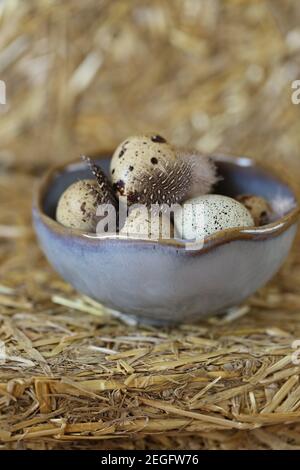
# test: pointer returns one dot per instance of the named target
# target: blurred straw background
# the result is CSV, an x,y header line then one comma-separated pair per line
x,y
214,74
80,77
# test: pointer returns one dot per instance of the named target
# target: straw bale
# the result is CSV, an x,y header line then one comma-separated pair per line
x,y
81,76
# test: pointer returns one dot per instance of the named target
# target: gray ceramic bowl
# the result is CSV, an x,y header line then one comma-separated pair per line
x,y
162,282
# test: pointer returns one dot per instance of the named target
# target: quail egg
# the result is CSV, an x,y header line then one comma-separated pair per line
x,y
78,204
258,207
203,216
136,156
147,170
146,224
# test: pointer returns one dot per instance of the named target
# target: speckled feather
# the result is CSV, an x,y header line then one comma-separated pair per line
x,y
105,193
204,171
166,184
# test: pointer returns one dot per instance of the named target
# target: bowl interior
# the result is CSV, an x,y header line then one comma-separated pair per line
x,y
239,176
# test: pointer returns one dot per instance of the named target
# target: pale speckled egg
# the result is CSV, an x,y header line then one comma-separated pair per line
x,y
258,207
203,216
142,223
78,204
136,156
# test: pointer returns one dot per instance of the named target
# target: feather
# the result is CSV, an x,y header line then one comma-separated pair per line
x,y
174,181
282,204
204,172
106,192
167,184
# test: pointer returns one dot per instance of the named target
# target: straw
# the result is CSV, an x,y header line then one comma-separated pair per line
x,y
81,77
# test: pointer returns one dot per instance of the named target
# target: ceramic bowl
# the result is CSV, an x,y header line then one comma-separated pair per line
x,y
162,281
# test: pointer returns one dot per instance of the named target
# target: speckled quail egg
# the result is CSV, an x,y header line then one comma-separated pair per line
x,y
136,156
78,204
147,170
143,223
203,216
258,207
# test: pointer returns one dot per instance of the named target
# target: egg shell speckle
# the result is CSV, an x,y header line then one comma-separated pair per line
x,y
142,223
258,207
203,216
135,156
78,204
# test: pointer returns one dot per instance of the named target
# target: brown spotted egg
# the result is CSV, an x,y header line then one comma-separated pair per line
x,y
143,223
259,208
78,204
135,157
203,216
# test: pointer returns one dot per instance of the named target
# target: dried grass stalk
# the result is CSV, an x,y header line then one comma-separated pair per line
x,y
81,76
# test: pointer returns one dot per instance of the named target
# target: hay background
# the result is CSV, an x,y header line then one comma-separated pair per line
x,y
80,77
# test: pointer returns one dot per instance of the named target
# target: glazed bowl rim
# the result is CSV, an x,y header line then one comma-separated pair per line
x,y
219,238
